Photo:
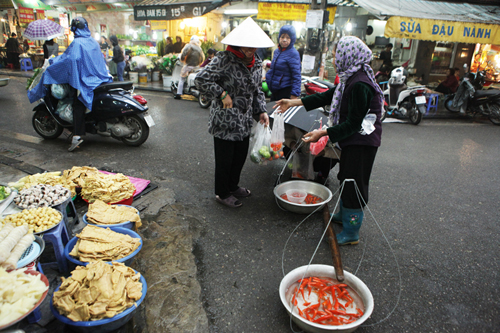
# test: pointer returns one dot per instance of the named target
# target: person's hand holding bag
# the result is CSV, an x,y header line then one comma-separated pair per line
x,y
314,136
264,119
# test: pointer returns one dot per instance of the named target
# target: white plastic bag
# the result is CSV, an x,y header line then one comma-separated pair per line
x,y
65,109
278,133
60,91
261,150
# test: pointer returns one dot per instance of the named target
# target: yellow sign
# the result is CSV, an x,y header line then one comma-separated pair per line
x,y
436,30
159,25
287,12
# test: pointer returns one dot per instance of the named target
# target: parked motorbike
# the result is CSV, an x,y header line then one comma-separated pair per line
x,y
470,99
402,100
189,86
116,113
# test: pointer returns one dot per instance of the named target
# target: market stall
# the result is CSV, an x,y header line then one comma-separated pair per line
x,y
40,208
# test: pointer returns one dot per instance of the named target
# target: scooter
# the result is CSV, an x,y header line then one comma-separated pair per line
x,y
402,100
470,99
189,86
116,113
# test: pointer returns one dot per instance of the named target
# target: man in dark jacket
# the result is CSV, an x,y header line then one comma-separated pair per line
x,y
13,50
118,57
284,78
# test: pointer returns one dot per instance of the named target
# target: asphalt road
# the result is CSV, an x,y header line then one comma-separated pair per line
x,y
429,249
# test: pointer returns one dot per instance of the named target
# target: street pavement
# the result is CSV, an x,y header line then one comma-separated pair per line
x,y
429,243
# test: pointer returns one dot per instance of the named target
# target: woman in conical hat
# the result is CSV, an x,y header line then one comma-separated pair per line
x,y
355,116
233,81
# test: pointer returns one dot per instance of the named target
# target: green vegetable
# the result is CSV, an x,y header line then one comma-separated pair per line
x,y
264,151
30,80
255,157
3,193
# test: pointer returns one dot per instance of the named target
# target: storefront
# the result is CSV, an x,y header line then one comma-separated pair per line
x,y
437,45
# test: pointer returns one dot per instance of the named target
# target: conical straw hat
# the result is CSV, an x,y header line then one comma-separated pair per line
x,y
248,34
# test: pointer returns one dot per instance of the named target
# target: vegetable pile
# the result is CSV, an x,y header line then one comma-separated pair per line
x,y
4,192
325,302
310,199
266,153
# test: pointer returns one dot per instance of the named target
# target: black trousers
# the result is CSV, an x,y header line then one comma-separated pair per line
x,y
280,94
13,58
356,162
78,117
230,156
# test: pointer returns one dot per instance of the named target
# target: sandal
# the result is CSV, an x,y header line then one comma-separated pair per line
x,y
230,201
241,192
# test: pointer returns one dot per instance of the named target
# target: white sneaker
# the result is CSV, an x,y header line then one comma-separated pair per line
x,y
75,142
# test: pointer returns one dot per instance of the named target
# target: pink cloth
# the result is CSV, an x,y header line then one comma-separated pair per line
x,y
139,183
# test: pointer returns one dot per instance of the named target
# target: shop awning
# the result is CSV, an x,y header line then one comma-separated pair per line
x,y
458,22
174,9
445,11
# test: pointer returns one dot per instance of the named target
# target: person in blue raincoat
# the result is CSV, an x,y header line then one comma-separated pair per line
x,y
83,67
284,78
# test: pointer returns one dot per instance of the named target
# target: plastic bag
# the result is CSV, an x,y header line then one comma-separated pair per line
x,y
65,109
278,133
60,91
261,150
302,166
317,147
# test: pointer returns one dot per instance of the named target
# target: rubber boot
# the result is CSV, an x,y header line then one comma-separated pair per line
x,y
351,222
337,217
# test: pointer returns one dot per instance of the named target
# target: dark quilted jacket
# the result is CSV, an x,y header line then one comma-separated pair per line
x,y
285,67
227,73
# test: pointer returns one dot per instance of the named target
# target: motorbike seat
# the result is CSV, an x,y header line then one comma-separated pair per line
x,y
326,83
127,85
485,93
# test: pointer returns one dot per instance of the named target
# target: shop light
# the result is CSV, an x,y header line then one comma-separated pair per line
x,y
182,25
224,25
97,36
135,35
241,12
154,35
348,26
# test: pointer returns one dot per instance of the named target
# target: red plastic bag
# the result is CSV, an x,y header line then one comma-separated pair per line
x,y
316,147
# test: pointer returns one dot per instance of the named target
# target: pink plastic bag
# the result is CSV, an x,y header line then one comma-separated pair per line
x,y
316,147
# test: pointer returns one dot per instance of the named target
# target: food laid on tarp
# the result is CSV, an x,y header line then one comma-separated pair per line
x,y
97,291
101,213
47,178
19,292
96,243
37,219
95,185
325,301
13,242
42,196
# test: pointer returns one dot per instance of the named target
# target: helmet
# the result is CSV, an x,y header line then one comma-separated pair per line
x,y
78,23
195,38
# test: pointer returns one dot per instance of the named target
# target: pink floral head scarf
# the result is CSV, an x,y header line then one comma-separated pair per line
x,y
351,55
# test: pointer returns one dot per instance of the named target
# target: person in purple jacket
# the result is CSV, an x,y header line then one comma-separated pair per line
x,y
355,120
284,78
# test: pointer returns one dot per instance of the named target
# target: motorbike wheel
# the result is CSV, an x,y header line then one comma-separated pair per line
x,y
45,125
384,113
448,104
495,113
141,131
203,101
414,114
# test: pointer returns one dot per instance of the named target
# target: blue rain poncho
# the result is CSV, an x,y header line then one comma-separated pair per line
x,y
82,66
